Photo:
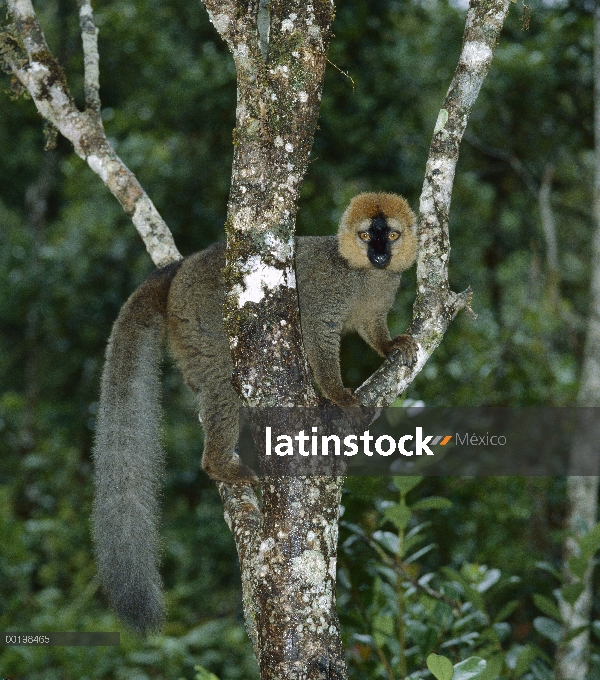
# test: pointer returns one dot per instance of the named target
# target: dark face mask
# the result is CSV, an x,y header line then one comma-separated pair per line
x,y
379,252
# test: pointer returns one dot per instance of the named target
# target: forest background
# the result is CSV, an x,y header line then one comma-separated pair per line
x,y
521,228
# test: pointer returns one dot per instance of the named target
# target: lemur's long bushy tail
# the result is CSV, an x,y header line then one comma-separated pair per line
x,y
128,458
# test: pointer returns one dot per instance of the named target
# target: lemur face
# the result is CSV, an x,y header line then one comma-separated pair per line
x,y
379,237
378,230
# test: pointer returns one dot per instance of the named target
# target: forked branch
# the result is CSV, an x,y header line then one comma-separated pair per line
x,y
91,58
37,70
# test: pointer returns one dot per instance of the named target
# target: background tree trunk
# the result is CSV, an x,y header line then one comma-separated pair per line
x,y
582,484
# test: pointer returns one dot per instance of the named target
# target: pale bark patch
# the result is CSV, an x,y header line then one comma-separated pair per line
x,y
310,567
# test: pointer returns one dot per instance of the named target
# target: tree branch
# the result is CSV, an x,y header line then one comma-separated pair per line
x,y
508,157
91,58
398,566
279,88
573,656
243,517
541,193
436,305
237,23
548,224
41,75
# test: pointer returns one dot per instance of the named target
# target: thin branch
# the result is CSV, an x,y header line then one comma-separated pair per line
x,y
91,58
337,68
589,391
541,192
398,567
508,157
369,628
548,224
436,305
40,73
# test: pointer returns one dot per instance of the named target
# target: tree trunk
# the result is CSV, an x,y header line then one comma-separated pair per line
x,y
287,547
582,484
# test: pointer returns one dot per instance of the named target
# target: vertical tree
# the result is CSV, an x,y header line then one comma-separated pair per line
x,y
582,484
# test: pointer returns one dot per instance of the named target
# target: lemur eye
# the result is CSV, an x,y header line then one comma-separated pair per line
x,y
364,235
393,235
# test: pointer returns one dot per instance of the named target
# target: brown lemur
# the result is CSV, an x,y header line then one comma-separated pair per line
x,y
345,283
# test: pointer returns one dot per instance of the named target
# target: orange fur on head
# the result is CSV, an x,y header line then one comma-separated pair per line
x,y
357,217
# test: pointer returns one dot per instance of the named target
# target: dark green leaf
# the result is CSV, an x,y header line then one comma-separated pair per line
x,y
493,668
590,543
526,657
432,503
547,606
572,592
405,484
399,514
506,610
574,633
578,566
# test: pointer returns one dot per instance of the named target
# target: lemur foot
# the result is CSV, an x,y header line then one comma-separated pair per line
x,y
407,347
232,471
346,398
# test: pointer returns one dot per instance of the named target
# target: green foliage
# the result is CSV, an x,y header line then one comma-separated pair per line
x,y
402,615
570,589
203,674
69,258
216,644
420,618
440,666
547,606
